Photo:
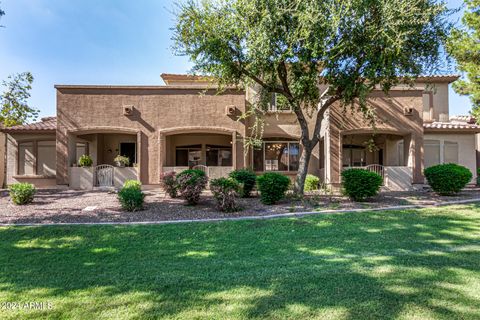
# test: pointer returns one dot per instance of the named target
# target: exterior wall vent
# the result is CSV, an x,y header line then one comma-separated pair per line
x,y
127,110
408,111
230,110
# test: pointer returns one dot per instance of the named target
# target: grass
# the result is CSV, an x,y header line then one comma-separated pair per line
x,y
416,264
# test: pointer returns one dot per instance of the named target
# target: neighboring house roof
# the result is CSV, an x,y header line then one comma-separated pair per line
x,y
463,119
46,125
455,125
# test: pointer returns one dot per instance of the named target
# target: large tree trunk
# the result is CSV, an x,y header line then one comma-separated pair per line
x,y
303,167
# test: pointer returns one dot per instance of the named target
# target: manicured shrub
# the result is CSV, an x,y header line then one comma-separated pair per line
x,y
447,179
311,183
272,187
247,178
359,184
191,183
132,184
226,191
131,196
85,161
169,183
22,193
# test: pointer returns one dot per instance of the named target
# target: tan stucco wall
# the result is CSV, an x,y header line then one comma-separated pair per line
x,y
157,112
466,148
390,119
12,160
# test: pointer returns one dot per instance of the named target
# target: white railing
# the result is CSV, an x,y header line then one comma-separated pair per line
x,y
211,172
377,168
103,175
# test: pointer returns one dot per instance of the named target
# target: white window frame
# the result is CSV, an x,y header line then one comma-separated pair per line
x,y
273,107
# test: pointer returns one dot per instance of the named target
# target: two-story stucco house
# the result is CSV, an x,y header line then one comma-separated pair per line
x,y
186,123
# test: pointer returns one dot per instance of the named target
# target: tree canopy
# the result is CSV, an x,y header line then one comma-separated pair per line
x,y
464,46
14,108
312,53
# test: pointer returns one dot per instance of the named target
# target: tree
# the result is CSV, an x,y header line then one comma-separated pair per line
x,y
2,13
14,109
464,46
294,47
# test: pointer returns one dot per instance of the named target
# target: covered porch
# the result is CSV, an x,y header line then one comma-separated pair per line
x,y
387,154
103,147
212,152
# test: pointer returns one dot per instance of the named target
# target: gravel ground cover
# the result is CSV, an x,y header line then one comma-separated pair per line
x,y
66,206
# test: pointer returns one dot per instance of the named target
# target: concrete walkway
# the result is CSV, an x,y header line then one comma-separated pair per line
x,y
272,216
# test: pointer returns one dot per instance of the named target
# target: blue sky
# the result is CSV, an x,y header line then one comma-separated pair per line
x,y
98,42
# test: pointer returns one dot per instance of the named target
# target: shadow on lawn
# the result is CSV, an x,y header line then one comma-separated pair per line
x,y
350,266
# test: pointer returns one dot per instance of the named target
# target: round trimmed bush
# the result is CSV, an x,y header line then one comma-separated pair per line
x,y
448,178
191,183
359,184
131,196
22,193
272,187
169,183
225,191
311,183
247,178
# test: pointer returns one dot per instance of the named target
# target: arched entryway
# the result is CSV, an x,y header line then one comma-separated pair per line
x,y
212,148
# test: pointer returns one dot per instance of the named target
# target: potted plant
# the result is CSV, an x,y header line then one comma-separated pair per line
x,y
121,161
85,161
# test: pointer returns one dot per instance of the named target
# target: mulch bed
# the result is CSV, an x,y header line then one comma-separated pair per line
x,y
67,206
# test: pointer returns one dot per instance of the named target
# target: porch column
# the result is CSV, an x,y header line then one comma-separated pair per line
x,y
65,150
413,156
333,156
162,150
234,150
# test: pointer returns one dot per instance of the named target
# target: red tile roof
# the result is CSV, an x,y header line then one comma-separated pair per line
x,y
47,124
452,126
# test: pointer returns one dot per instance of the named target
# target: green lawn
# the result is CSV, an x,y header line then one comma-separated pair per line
x,y
418,264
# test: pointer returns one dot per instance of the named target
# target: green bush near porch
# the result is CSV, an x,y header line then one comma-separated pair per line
x,y
22,193
247,178
448,178
272,187
311,183
131,196
191,183
360,184
226,191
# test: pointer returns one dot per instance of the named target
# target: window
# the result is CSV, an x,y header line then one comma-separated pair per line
x,y
354,156
81,149
277,156
431,153
46,159
26,158
450,152
279,103
37,158
219,156
188,156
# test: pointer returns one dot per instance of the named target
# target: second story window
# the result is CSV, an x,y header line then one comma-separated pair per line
x,y
279,104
